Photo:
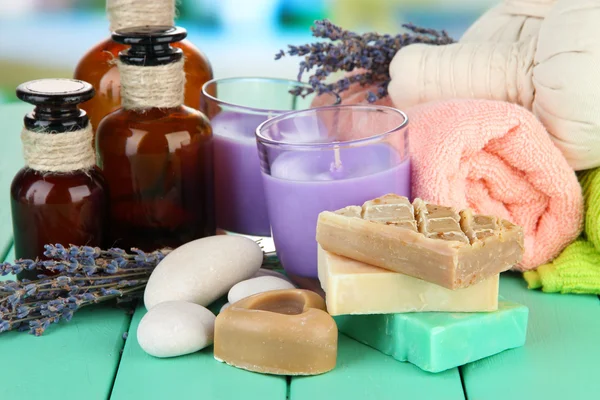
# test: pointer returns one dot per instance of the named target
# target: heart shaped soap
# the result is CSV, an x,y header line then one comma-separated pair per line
x,y
282,332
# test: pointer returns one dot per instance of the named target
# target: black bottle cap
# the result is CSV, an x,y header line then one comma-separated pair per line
x,y
150,45
55,91
56,103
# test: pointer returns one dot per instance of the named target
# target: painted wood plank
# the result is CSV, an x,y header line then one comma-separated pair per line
x,y
197,375
11,160
364,373
84,352
559,359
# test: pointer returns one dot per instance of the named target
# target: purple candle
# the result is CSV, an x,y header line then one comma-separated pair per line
x,y
236,106
326,159
239,196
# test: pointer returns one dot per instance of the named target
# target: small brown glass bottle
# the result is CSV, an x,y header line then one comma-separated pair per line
x,y
156,153
97,66
59,197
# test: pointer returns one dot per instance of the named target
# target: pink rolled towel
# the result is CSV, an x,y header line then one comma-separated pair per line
x,y
496,158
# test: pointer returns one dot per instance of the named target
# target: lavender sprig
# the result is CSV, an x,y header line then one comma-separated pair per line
x,y
371,52
83,276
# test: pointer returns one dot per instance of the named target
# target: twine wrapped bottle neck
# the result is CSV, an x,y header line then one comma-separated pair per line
x,y
160,86
151,70
131,13
59,152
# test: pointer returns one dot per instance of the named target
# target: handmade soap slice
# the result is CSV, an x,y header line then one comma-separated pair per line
x,y
439,341
430,242
353,287
283,332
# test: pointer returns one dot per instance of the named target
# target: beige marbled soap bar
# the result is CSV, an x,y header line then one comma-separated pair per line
x,y
430,242
353,287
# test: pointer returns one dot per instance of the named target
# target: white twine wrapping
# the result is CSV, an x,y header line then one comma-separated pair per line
x,y
131,13
151,87
59,152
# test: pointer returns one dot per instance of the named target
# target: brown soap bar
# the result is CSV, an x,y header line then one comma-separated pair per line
x,y
282,332
427,241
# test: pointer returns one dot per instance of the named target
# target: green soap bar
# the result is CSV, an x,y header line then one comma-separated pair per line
x,y
438,341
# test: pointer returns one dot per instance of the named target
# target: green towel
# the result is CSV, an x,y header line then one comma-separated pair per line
x,y
577,268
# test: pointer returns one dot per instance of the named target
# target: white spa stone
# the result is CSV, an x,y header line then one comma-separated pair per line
x,y
257,285
224,307
203,270
270,272
175,328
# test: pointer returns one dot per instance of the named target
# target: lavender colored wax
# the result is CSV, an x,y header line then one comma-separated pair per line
x,y
301,185
239,197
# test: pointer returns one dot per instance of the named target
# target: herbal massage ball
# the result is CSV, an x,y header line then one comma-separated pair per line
x,y
509,21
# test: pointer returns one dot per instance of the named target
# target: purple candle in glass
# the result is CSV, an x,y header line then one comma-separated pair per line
x,y
326,159
236,106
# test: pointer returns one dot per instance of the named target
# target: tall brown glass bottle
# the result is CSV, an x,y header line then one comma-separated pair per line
x,y
59,197
156,154
97,65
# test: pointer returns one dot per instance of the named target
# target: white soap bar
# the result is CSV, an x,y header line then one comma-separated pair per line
x,y
353,287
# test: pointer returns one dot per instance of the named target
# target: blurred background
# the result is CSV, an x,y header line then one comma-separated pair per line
x,y
46,38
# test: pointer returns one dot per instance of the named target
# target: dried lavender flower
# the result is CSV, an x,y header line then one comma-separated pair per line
x,y
371,52
84,276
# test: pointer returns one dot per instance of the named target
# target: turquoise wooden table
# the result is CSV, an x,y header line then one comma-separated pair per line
x,y
92,357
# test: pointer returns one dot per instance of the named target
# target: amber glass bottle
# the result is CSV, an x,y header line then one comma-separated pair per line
x,y
97,66
59,197
156,154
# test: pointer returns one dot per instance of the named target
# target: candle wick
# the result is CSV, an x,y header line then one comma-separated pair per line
x,y
336,157
336,169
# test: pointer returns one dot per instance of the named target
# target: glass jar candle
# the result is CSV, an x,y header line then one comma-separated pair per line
x,y
59,196
325,159
156,153
236,106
